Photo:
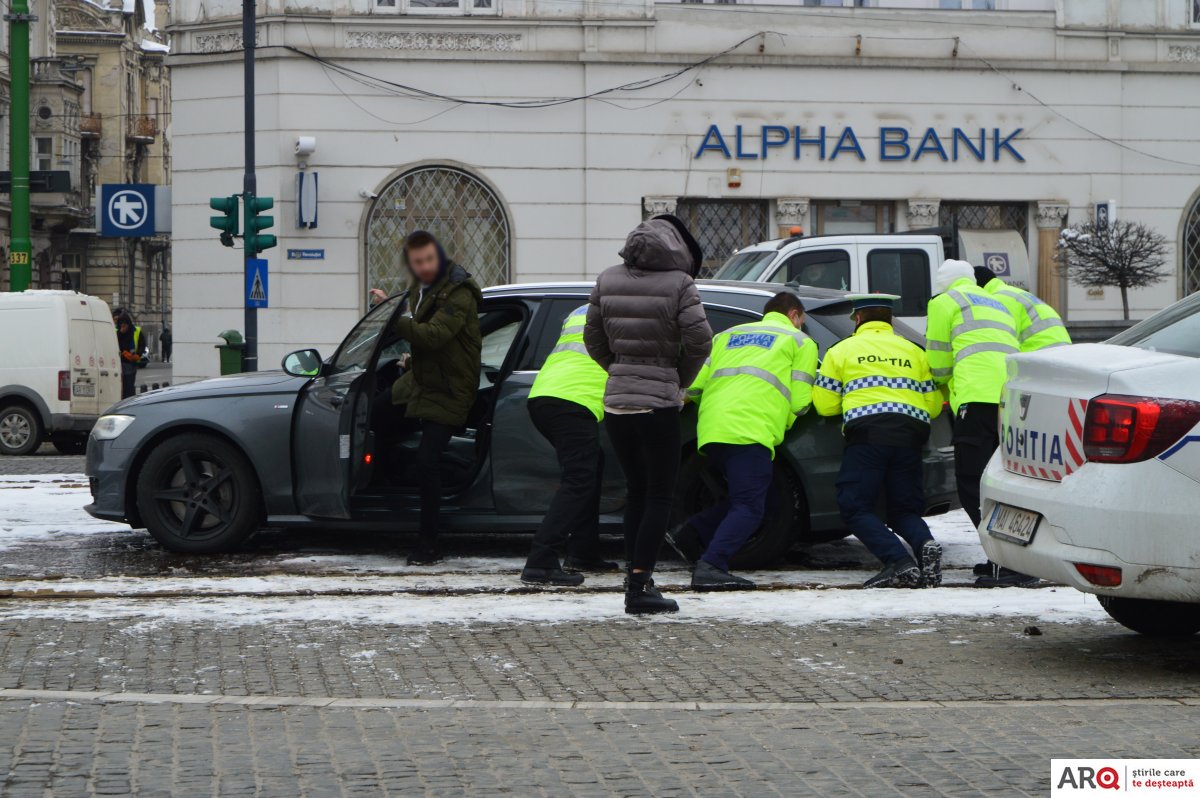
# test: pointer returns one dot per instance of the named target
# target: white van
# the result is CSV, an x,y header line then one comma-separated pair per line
x,y
889,263
60,369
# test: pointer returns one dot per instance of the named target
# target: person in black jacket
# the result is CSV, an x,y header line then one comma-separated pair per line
x,y
127,345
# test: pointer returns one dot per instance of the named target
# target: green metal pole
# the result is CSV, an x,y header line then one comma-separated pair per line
x,y
20,252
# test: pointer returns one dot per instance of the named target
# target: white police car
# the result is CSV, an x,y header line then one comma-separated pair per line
x,y
1097,480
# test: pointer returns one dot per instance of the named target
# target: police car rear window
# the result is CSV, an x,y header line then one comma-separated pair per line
x,y
1175,331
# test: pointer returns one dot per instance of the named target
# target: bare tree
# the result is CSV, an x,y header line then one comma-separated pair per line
x,y
1124,255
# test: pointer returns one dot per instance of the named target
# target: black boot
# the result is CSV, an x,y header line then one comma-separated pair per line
x,y
1006,577
593,565
709,577
930,560
903,573
554,577
643,598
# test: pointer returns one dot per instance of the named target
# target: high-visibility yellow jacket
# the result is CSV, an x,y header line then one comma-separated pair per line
x,y
968,336
569,372
757,380
1038,325
876,375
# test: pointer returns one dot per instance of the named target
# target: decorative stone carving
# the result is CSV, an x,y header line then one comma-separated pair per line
x,y
434,40
1187,53
923,212
792,211
225,42
80,19
1051,215
657,205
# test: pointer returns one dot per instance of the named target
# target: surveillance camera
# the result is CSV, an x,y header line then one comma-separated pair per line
x,y
367,194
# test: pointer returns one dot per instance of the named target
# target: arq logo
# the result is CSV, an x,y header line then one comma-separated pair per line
x,y
1083,777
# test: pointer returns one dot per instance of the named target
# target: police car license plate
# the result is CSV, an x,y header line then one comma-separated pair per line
x,y
1013,524
84,389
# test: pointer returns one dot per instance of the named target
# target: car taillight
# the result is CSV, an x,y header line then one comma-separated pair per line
x,y
1130,429
1099,575
64,386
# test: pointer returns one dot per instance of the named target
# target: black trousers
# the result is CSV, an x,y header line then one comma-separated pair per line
x,y
648,446
128,380
389,423
976,438
573,518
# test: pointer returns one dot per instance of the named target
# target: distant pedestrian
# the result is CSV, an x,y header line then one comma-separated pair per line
x,y
566,404
165,341
757,381
647,328
880,384
127,345
969,336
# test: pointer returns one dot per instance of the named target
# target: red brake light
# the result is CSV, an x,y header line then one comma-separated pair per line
x,y
64,386
1130,429
1099,575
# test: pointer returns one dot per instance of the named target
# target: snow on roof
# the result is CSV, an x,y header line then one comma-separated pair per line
x,y
155,47
149,12
128,6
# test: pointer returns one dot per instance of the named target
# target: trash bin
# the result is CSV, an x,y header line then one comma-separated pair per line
x,y
231,352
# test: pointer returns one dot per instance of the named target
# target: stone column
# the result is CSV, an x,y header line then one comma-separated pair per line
x,y
923,212
791,212
1050,217
659,205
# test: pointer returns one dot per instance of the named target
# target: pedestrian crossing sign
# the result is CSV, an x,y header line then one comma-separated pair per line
x,y
256,283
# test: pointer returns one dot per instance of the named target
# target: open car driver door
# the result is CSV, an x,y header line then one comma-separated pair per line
x,y
332,439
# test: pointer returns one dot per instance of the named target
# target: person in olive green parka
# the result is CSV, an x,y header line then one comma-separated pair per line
x,y
440,384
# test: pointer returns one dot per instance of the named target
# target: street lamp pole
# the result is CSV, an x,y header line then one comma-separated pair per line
x,y
20,269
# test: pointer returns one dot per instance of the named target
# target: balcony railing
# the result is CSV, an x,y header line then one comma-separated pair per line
x,y
143,128
91,125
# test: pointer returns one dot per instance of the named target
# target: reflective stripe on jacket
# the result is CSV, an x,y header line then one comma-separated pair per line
x,y
968,336
758,379
569,372
1038,325
873,372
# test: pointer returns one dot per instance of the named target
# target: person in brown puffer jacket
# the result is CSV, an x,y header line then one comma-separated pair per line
x,y
647,328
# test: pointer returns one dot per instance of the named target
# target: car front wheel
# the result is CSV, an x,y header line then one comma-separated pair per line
x,y
701,486
197,494
1153,618
20,430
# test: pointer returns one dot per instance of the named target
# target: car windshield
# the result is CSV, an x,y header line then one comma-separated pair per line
x,y
1175,330
745,265
355,352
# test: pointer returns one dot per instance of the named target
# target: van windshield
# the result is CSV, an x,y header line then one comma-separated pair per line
x,y
748,266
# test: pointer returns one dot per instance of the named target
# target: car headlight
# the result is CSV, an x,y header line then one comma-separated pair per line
x,y
109,427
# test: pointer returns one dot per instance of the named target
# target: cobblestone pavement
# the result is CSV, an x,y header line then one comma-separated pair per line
x,y
962,707
45,460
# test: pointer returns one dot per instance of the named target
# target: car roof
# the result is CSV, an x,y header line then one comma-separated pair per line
x,y
777,244
750,296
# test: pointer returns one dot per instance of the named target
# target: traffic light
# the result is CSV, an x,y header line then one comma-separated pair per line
x,y
256,241
228,222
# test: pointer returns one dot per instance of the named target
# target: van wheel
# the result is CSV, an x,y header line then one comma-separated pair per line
x,y
198,494
72,444
20,430
1153,618
701,486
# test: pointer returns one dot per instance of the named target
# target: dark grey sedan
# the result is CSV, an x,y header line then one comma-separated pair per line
x,y
204,465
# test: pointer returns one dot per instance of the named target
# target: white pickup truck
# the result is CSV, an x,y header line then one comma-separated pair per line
x,y
891,263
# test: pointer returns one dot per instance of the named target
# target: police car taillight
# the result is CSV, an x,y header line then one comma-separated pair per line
x,y
1130,429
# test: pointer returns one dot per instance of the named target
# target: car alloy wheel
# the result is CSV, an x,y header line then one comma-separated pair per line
x,y
198,492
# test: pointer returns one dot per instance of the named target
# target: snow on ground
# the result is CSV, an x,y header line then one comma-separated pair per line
x,y
47,510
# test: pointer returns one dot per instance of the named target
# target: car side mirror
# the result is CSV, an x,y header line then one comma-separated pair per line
x,y
304,363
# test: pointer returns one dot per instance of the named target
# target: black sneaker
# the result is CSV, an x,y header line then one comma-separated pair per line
x,y
931,564
643,598
553,577
982,569
902,573
591,565
686,543
1006,577
424,557
709,577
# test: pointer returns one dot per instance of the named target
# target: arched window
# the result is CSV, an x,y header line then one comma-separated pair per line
x,y
1189,245
464,214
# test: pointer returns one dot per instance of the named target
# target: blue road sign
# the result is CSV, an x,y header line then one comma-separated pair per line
x,y
256,283
306,254
126,210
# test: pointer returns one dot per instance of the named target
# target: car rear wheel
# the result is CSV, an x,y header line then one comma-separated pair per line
x,y
198,494
1153,618
702,486
20,430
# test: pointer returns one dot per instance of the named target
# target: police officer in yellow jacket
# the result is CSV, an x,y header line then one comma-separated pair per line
x,y
1038,325
881,386
754,385
566,404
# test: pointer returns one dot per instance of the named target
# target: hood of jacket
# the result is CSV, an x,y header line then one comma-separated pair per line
x,y
659,245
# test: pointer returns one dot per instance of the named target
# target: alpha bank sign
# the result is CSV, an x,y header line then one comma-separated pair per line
x,y
746,143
